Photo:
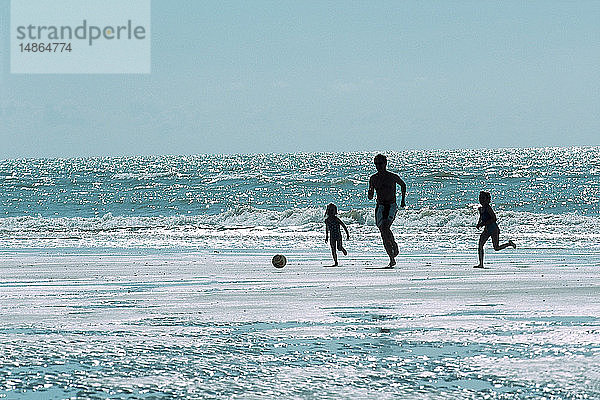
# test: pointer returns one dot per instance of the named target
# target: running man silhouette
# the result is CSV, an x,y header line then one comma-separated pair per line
x,y
384,183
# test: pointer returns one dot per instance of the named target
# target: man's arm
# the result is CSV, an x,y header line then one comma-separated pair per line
x,y
371,189
326,232
400,182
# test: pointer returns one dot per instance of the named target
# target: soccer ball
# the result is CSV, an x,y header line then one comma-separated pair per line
x,y
279,261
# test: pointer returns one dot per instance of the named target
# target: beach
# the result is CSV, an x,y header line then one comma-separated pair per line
x,y
220,324
179,181
151,277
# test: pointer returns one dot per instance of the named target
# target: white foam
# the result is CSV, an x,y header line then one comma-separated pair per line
x,y
144,175
424,228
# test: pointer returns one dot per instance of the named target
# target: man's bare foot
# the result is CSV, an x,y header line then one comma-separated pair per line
x,y
344,251
478,266
334,265
510,242
391,264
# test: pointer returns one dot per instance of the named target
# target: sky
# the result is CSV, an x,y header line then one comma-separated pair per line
x,y
288,76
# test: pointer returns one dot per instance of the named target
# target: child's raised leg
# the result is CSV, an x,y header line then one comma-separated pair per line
x,y
341,248
498,246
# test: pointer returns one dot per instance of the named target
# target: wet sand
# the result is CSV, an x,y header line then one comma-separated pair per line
x,y
116,324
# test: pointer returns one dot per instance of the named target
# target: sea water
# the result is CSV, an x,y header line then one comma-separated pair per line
x,y
544,197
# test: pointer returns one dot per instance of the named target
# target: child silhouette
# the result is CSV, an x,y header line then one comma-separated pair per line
x,y
333,234
487,218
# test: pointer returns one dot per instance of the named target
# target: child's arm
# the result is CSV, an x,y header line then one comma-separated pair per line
x,y
346,229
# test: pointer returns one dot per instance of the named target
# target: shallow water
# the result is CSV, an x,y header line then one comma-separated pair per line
x,y
214,325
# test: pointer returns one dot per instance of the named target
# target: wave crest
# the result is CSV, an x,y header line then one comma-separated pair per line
x,y
308,218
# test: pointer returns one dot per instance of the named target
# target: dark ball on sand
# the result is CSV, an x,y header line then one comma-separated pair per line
x,y
279,261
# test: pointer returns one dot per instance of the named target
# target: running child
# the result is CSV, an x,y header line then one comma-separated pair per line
x,y
487,218
333,235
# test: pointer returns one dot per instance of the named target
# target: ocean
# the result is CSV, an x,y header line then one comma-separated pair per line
x,y
151,278
544,197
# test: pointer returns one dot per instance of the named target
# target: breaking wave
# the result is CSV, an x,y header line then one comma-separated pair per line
x,y
308,217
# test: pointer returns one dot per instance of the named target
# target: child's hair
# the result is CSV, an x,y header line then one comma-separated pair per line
x,y
331,209
484,196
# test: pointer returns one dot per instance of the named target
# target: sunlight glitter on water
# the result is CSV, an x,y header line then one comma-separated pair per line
x,y
215,325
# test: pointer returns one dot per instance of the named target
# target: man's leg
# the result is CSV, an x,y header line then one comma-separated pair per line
x,y
389,244
394,244
391,215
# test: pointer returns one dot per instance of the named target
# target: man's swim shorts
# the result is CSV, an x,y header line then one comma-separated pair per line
x,y
385,213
